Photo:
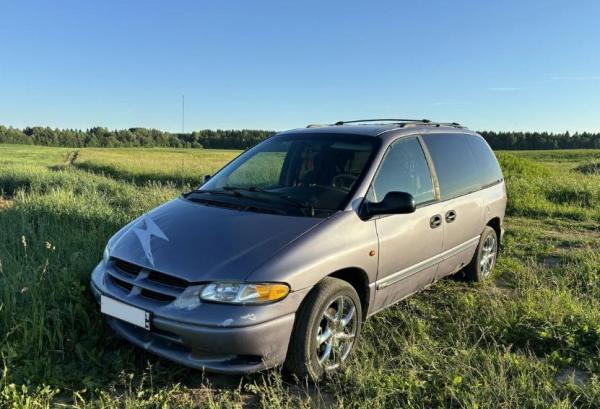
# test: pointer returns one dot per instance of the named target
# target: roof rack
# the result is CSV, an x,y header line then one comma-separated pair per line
x,y
401,122
425,121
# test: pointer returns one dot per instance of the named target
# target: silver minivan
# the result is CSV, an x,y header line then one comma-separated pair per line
x,y
283,253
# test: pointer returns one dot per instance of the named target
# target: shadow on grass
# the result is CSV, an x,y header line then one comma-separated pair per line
x,y
590,168
139,179
570,196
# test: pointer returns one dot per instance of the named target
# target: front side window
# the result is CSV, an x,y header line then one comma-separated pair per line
x,y
317,173
404,169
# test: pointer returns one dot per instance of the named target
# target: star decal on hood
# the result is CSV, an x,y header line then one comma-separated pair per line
x,y
144,236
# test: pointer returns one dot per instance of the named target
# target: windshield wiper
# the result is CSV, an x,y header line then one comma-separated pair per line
x,y
239,205
236,191
290,200
224,191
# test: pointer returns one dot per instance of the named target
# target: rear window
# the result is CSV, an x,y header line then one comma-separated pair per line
x,y
463,163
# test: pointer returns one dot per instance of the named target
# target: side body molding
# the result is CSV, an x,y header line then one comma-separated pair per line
x,y
407,272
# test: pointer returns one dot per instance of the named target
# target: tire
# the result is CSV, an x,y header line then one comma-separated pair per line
x,y
484,259
305,349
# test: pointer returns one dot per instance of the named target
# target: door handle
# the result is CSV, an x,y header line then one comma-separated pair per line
x,y
450,216
435,221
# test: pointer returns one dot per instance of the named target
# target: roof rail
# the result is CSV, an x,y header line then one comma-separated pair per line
x,y
424,121
401,122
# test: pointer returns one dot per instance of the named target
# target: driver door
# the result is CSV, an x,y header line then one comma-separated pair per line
x,y
408,243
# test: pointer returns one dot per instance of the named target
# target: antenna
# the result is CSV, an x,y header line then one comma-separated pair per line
x,y
182,113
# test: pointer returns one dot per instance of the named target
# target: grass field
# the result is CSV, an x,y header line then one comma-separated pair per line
x,y
528,338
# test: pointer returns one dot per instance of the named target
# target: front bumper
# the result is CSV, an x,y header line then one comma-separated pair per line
x,y
223,338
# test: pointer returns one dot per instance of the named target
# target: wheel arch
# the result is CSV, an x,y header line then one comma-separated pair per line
x,y
359,280
496,224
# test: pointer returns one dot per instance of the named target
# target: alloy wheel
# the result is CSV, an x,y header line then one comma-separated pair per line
x,y
336,332
488,255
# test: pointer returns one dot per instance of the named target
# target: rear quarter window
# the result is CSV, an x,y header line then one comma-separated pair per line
x,y
489,171
463,163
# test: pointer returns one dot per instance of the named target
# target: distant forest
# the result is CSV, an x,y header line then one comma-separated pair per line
x,y
244,138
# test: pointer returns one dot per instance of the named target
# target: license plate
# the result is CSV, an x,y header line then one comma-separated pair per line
x,y
125,312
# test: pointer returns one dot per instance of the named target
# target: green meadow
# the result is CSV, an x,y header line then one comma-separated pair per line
x,y
528,338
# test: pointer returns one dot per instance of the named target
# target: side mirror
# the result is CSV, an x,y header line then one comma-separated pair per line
x,y
206,178
392,203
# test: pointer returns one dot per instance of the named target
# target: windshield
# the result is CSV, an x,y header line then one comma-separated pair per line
x,y
313,174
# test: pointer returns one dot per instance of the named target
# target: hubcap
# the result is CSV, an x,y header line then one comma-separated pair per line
x,y
336,332
488,256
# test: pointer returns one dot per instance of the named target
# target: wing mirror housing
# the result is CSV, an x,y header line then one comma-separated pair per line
x,y
392,203
206,178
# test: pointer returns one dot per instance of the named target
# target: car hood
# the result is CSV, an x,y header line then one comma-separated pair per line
x,y
196,242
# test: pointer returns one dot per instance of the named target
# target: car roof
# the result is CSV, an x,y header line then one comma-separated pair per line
x,y
381,130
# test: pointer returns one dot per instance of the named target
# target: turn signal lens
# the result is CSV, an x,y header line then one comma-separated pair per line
x,y
241,293
271,292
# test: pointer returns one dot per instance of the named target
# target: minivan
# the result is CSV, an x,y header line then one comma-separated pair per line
x,y
281,255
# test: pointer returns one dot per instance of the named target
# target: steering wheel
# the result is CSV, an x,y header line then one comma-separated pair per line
x,y
343,181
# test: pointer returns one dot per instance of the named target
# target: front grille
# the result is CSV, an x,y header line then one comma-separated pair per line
x,y
167,279
157,296
153,285
123,284
126,267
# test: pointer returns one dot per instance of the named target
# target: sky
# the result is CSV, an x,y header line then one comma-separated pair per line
x,y
491,65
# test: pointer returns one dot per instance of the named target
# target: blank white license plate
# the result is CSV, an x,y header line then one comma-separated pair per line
x,y
125,312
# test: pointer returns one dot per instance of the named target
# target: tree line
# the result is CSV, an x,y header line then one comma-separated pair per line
x,y
244,138
100,137
541,140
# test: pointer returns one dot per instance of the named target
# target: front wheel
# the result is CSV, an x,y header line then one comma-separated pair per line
x,y
484,260
327,326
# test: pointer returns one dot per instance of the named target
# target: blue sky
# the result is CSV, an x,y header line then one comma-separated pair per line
x,y
503,65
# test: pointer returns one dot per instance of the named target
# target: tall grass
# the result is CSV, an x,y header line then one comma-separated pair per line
x,y
139,166
538,190
528,338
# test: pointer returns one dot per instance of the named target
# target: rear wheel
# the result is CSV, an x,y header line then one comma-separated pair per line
x,y
484,260
326,329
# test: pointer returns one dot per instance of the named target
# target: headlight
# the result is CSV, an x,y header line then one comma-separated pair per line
x,y
230,293
244,293
106,254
